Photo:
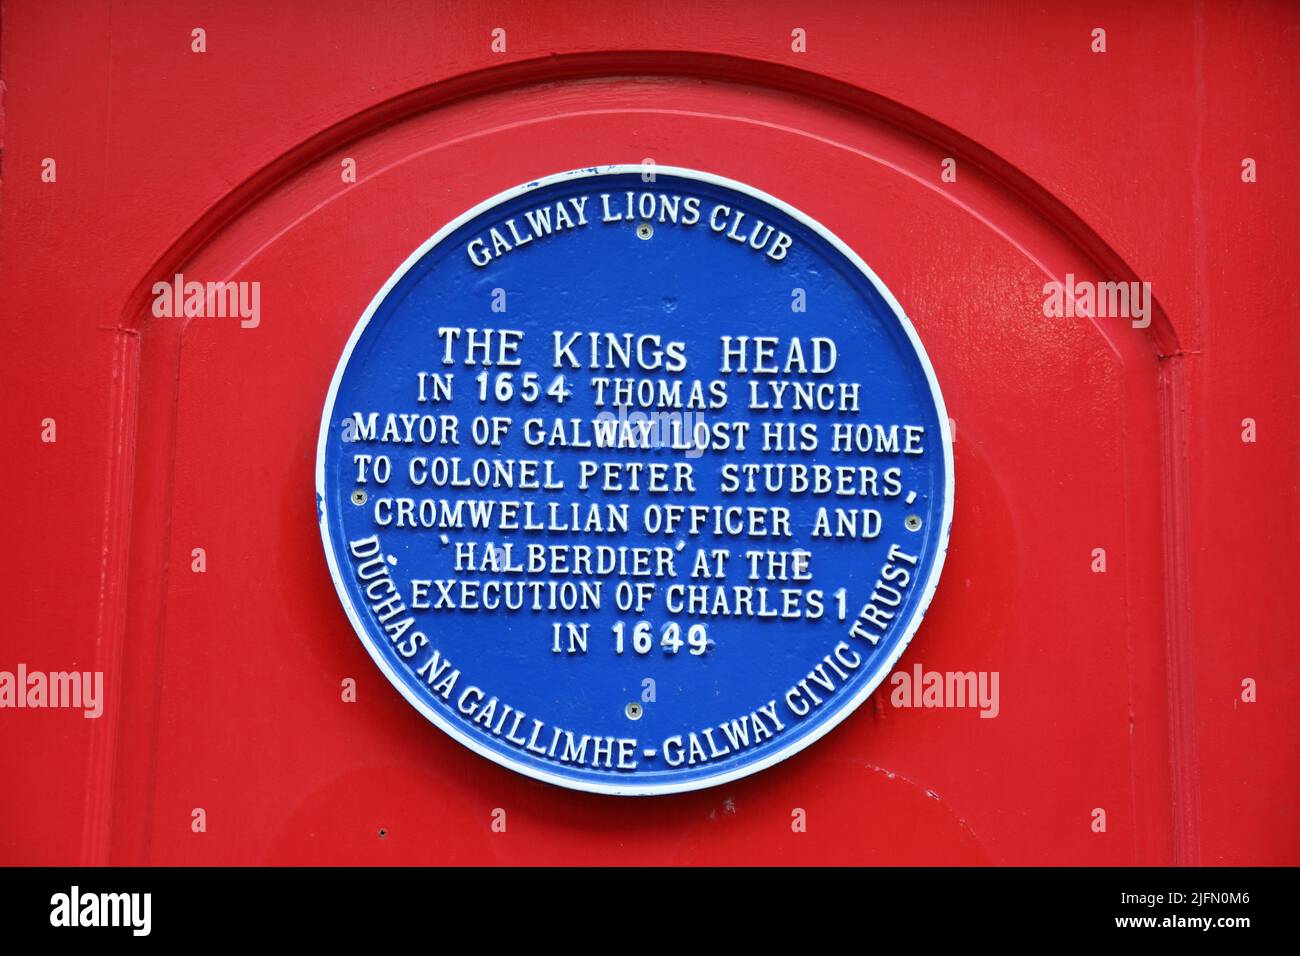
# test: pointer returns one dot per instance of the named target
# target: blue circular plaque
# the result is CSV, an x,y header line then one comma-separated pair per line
x,y
635,480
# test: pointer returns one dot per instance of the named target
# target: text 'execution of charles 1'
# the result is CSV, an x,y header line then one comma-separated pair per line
x,y
634,484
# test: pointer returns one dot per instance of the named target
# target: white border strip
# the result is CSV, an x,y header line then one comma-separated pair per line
x,y
698,783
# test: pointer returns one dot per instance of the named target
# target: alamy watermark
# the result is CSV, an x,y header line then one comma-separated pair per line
x,y
1101,300
190,299
685,432
76,909
72,690
946,689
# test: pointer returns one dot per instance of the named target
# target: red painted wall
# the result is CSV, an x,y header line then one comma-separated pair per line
x,y
1120,690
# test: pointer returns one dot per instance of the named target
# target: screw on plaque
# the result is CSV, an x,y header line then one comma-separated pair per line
x,y
645,231
912,523
358,497
634,711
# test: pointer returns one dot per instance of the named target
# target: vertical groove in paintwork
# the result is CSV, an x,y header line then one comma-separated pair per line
x,y
110,622
1178,625
161,515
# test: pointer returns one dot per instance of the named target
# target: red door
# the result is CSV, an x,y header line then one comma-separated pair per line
x,y
1122,547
